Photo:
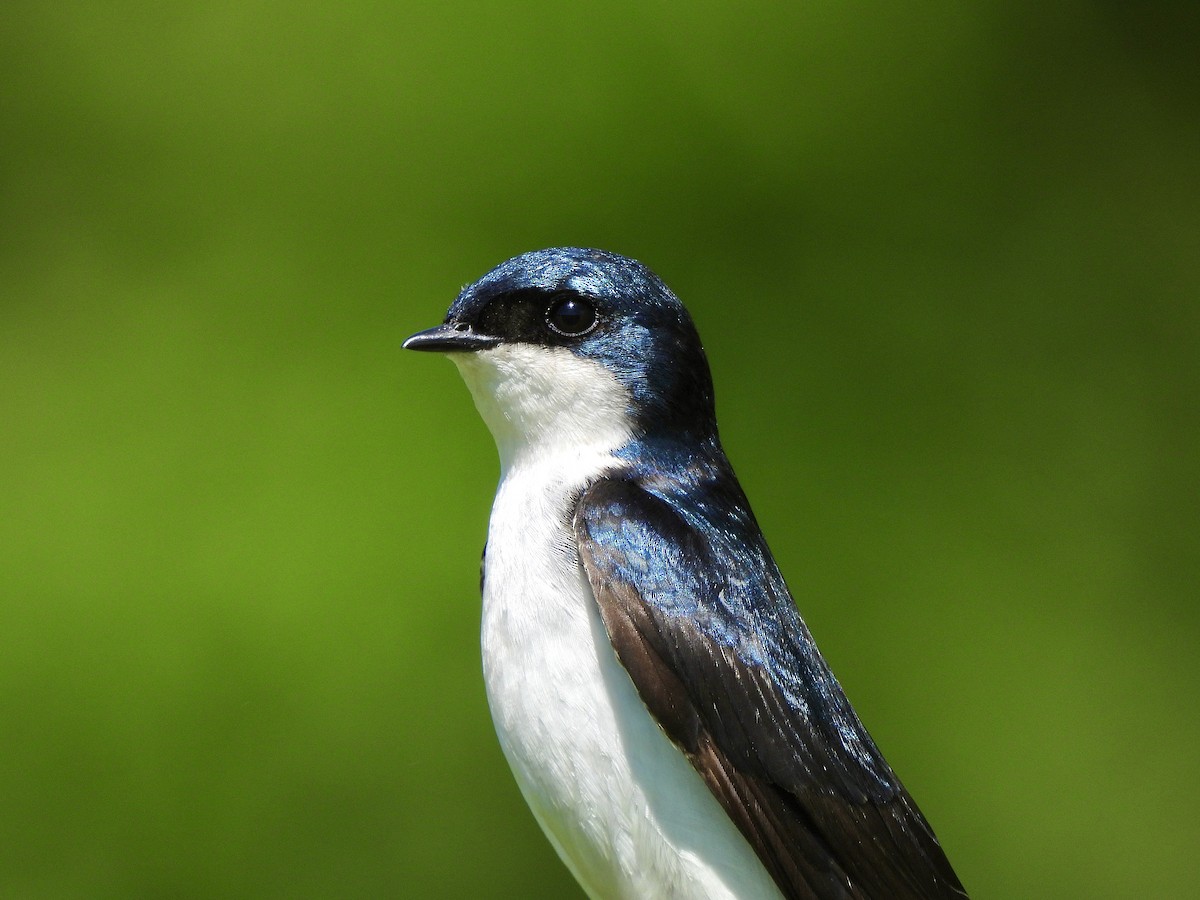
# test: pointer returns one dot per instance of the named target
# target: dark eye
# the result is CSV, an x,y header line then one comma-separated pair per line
x,y
571,316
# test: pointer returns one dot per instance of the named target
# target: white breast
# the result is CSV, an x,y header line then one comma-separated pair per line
x,y
622,806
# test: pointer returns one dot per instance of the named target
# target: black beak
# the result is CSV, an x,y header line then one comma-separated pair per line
x,y
447,338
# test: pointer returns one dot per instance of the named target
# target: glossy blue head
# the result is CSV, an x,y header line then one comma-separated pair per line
x,y
598,306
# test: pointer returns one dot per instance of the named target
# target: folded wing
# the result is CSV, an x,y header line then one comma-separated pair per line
x,y
703,623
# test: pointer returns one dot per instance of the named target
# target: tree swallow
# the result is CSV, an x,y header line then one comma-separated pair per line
x,y
662,705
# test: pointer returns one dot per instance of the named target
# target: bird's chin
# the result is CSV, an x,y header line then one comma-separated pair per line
x,y
541,401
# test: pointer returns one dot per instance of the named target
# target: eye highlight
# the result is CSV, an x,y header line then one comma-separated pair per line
x,y
570,316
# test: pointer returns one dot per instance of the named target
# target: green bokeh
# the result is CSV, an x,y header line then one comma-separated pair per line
x,y
946,261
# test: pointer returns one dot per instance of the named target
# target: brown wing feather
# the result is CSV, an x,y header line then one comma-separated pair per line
x,y
816,840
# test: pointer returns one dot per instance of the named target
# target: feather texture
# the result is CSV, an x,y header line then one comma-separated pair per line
x,y
708,633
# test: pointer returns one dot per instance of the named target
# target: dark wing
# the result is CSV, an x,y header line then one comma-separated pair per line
x,y
482,568
703,623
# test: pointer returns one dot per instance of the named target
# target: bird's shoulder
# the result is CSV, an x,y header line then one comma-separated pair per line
x,y
690,560
701,619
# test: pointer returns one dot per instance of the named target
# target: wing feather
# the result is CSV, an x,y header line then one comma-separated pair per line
x,y
713,643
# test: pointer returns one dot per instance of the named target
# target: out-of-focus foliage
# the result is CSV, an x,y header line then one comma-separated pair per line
x,y
946,260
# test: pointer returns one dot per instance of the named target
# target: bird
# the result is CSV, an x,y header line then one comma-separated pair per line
x,y
662,705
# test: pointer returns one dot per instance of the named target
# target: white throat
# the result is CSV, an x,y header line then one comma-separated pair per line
x,y
543,403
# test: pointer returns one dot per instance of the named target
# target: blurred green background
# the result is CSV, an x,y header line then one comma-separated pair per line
x,y
946,261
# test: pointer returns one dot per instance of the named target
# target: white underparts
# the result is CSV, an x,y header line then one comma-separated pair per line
x,y
622,806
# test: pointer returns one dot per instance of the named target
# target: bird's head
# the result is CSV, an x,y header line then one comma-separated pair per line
x,y
578,347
